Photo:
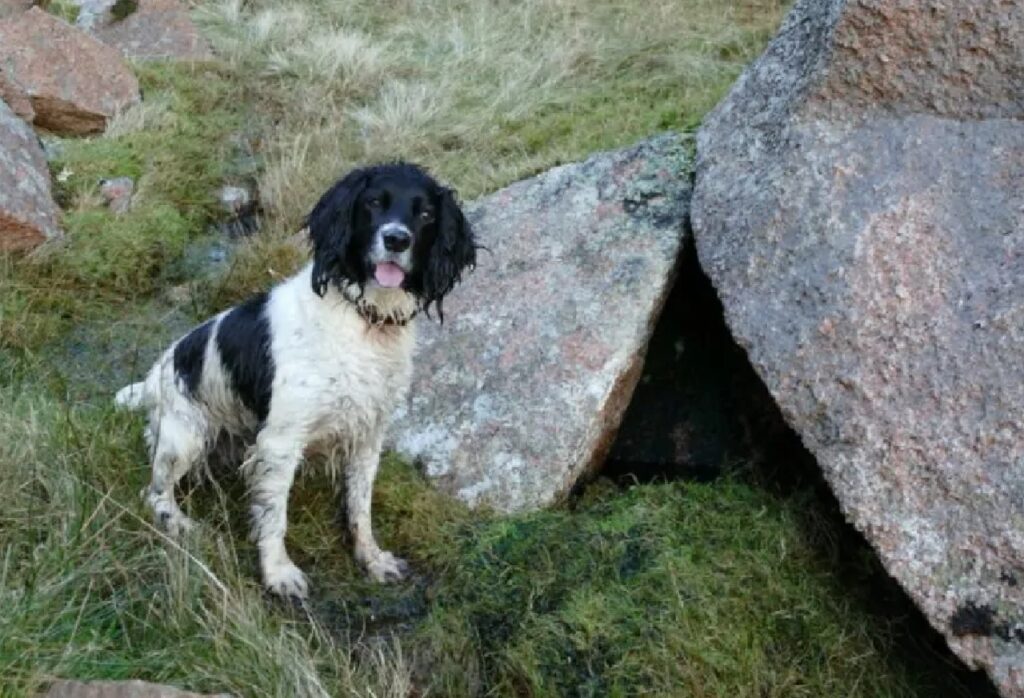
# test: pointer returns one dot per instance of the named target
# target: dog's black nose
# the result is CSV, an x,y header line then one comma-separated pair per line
x,y
397,240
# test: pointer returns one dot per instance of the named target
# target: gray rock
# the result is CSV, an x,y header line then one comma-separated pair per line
x,y
54,147
859,206
520,392
28,214
93,14
243,209
117,193
120,689
233,199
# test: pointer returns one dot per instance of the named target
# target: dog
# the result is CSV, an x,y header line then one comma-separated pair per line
x,y
316,364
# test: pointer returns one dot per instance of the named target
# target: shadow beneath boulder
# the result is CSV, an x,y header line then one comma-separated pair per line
x,y
700,412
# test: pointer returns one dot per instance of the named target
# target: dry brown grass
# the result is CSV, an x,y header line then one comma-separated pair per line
x,y
483,93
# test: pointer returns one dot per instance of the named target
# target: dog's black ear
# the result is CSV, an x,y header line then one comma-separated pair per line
x,y
331,224
453,251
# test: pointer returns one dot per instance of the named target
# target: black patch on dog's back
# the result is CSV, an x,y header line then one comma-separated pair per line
x,y
243,339
189,356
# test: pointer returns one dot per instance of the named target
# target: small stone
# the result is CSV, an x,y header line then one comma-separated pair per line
x,y
243,209
53,146
117,193
120,689
28,214
519,394
93,14
74,82
232,199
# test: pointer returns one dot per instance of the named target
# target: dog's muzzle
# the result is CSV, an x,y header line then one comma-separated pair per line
x,y
391,252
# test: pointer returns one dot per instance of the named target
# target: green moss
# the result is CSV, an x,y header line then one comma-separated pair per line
x,y
125,254
705,590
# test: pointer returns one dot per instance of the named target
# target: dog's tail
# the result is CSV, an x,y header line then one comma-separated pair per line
x,y
131,397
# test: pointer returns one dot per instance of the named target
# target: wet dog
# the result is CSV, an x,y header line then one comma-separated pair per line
x,y
318,362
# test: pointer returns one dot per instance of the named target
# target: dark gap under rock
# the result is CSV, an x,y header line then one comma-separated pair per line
x,y
698,406
700,412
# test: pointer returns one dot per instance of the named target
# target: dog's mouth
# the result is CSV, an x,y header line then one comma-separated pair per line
x,y
389,274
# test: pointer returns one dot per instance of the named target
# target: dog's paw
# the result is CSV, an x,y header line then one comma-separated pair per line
x,y
170,519
287,581
385,568
176,524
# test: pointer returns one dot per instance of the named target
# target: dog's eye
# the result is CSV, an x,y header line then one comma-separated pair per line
x,y
426,216
375,202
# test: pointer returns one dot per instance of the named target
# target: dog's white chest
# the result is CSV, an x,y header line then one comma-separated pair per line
x,y
342,377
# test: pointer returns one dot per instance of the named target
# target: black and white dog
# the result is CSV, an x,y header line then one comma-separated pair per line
x,y
319,362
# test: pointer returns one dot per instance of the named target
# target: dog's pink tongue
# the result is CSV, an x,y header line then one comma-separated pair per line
x,y
389,275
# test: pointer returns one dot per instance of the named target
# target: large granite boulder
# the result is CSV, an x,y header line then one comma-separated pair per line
x,y
157,29
520,392
74,82
28,215
859,206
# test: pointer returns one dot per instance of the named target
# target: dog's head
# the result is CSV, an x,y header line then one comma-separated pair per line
x,y
390,226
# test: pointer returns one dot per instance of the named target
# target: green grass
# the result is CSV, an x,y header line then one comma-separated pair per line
x,y
669,589
65,9
90,590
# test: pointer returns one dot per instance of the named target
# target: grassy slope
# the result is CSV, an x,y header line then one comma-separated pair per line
x,y
702,590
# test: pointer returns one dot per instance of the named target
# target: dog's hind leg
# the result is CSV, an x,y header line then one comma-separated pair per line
x,y
177,446
381,565
271,471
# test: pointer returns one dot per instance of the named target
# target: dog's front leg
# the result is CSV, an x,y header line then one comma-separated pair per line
x,y
381,565
271,471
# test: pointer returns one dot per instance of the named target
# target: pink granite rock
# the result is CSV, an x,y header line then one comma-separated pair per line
x,y
28,215
117,193
74,82
16,98
13,7
519,394
859,207
157,29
